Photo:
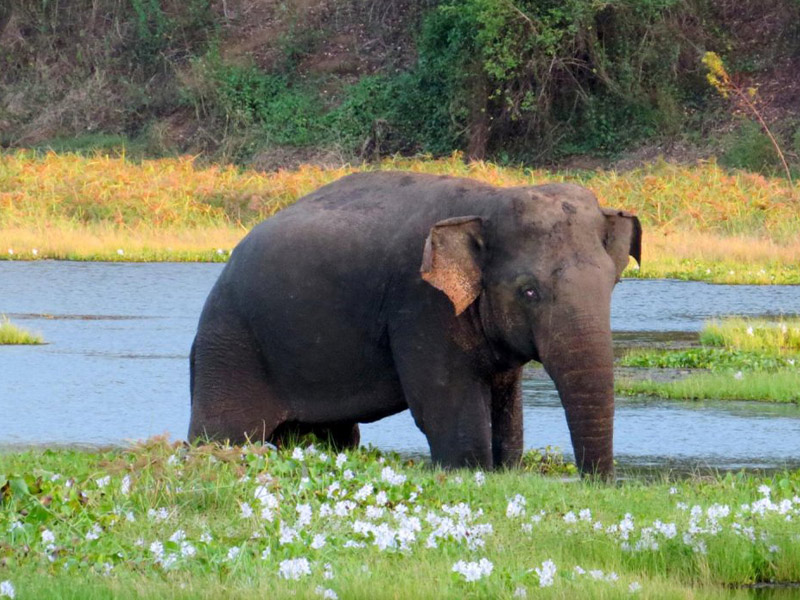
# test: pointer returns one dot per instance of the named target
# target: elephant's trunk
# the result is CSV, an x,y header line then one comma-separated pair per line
x,y
580,360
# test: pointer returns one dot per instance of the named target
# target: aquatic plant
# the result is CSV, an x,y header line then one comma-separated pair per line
x,y
11,334
210,520
775,335
774,386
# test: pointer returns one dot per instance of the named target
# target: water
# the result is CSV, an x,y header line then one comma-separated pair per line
x,y
116,367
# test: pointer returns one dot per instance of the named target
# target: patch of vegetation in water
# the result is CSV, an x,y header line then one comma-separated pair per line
x,y
11,334
776,335
776,386
748,359
164,519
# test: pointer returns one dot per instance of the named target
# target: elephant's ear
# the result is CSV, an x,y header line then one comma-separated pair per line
x,y
623,238
451,259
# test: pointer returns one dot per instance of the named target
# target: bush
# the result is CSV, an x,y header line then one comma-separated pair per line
x,y
748,147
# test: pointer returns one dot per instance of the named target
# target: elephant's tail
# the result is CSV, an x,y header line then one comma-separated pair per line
x,y
191,371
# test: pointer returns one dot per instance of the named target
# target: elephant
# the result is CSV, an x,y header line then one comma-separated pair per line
x,y
384,291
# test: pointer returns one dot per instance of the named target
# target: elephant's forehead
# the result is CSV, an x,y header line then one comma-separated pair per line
x,y
543,208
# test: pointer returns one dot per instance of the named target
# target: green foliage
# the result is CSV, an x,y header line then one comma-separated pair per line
x,y
158,32
544,77
749,148
285,113
716,359
547,461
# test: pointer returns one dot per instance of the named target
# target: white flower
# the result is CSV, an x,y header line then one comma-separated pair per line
x,y
579,570
157,548
297,454
158,515
750,331
364,493
318,541
738,375
328,573
480,479
634,587
774,549
187,550
294,568
381,498
473,571
303,515
340,460
570,517
94,532
520,592
125,486
764,490
546,573
288,535
391,477
120,251
233,552
326,593
206,537
596,574
48,537
103,481
11,251
247,510
585,515
348,475
516,506
7,589
672,491
178,536
265,553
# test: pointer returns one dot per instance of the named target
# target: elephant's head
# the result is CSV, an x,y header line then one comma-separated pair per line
x,y
540,271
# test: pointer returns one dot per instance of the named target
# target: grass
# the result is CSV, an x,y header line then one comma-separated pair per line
x,y
749,359
780,335
782,386
166,521
11,334
701,222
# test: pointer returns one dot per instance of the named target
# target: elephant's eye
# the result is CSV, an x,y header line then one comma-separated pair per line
x,y
530,294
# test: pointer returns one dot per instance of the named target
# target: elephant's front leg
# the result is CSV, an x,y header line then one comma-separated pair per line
x,y
449,403
507,435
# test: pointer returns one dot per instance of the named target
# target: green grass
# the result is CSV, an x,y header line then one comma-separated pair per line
x,y
748,359
779,386
715,359
11,334
781,335
162,521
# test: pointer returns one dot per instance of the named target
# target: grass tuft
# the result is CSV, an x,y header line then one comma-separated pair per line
x,y
11,334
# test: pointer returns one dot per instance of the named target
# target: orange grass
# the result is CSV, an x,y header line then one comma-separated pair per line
x,y
700,222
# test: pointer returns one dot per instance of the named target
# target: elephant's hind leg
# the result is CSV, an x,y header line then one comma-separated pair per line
x,y
231,397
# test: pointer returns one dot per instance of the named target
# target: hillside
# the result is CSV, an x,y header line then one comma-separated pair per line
x,y
271,83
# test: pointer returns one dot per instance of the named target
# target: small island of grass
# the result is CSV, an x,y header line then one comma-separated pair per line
x,y
11,334
739,359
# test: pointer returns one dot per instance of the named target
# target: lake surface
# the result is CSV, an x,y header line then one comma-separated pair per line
x,y
116,367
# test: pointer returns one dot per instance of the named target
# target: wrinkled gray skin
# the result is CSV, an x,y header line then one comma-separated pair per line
x,y
387,291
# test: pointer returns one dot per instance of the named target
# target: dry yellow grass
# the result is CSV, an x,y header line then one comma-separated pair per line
x,y
700,222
